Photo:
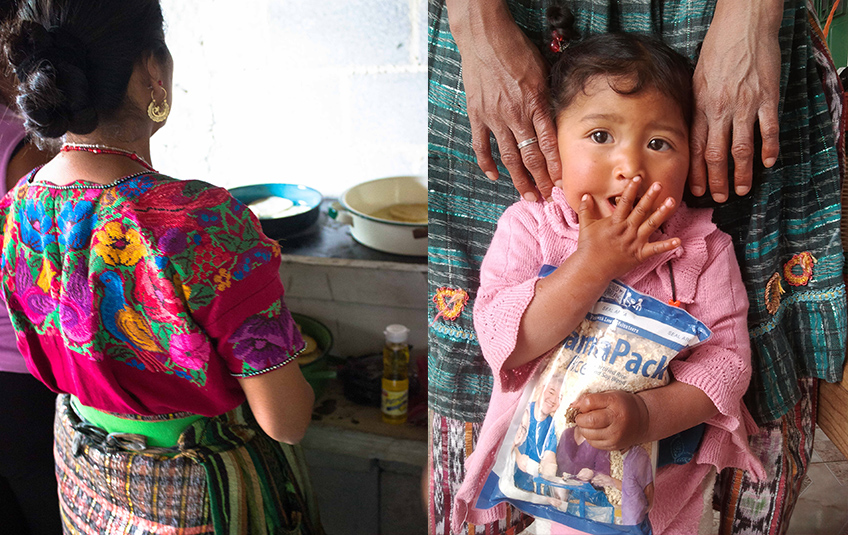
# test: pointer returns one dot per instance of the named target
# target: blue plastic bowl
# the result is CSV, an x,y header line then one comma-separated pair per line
x,y
288,226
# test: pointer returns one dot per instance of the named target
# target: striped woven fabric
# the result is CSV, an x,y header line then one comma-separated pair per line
x,y
793,209
228,478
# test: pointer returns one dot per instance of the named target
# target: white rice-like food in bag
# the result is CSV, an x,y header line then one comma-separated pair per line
x,y
544,466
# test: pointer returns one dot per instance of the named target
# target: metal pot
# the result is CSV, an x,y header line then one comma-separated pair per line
x,y
357,205
300,221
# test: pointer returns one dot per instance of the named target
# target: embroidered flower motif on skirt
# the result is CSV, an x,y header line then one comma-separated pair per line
x,y
799,269
450,302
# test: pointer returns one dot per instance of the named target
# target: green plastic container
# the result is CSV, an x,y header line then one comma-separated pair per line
x,y
317,372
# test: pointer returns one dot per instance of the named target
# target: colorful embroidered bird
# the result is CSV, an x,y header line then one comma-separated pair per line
x,y
128,325
75,307
37,303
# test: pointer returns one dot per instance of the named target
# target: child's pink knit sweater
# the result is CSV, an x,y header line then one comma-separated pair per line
x,y
709,286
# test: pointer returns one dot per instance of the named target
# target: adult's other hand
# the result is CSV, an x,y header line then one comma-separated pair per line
x,y
736,84
506,91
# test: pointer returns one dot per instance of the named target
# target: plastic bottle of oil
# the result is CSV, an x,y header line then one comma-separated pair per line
x,y
395,374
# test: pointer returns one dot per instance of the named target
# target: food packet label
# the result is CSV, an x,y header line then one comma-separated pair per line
x,y
544,466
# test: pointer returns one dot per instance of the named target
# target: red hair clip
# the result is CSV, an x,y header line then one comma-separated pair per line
x,y
556,41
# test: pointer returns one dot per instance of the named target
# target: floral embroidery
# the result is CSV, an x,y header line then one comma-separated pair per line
x,y
45,278
76,308
174,241
119,273
155,295
803,260
132,189
75,223
208,218
773,292
36,227
450,302
223,280
261,340
118,246
190,350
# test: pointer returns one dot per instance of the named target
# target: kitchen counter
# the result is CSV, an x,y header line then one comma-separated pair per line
x,y
341,426
354,290
368,475
330,239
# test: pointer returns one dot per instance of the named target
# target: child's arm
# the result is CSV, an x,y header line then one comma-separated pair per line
x,y
707,385
607,248
617,419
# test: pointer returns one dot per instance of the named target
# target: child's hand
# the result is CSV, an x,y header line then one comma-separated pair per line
x,y
612,420
603,480
585,474
618,243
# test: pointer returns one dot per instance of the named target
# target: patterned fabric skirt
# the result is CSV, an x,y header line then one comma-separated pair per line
x,y
451,442
784,446
225,477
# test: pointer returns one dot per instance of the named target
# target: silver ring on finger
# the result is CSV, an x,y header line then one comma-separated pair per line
x,y
527,142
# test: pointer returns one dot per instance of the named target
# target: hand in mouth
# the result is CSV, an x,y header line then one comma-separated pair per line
x,y
614,200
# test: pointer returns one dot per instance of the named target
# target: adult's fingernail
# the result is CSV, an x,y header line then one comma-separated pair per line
x,y
558,184
719,197
492,175
768,162
697,190
529,196
742,190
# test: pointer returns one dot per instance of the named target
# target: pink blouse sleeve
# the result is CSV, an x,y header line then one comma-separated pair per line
x,y
508,278
721,366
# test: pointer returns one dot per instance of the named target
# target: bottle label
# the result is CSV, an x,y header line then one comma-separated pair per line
x,y
395,397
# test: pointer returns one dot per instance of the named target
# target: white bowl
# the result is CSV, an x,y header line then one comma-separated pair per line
x,y
397,237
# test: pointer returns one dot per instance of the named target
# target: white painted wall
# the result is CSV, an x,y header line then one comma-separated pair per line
x,y
326,93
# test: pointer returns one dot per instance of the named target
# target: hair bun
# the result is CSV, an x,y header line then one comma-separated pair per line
x,y
51,67
33,44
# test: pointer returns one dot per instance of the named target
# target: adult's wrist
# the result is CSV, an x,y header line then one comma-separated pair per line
x,y
758,15
476,22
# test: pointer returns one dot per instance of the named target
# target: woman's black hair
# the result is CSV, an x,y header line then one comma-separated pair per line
x,y
631,63
74,59
7,9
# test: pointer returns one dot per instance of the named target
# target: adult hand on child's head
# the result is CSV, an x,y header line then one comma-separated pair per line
x,y
612,420
507,94
736,85
620,242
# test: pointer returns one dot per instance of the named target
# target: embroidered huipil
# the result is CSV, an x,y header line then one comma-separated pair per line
x,y
709,286
149,296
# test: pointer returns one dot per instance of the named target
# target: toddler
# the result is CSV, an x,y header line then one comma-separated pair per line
x,y
623,107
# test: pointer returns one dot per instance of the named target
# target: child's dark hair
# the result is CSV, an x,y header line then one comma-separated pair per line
x,y
74,59
631,62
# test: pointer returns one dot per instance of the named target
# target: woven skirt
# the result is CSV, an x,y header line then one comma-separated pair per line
x,y
225,477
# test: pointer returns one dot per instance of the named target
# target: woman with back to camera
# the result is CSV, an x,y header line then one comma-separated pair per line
x,y
152,305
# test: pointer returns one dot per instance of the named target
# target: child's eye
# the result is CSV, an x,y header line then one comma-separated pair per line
x,y
600,136
658,144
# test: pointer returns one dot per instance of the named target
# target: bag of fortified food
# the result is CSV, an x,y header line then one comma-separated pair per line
x,y
544,466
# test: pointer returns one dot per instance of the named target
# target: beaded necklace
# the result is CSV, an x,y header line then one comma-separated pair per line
x,y
76,185
103,149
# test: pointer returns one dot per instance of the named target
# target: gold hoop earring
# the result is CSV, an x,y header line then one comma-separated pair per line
x,y
158,112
